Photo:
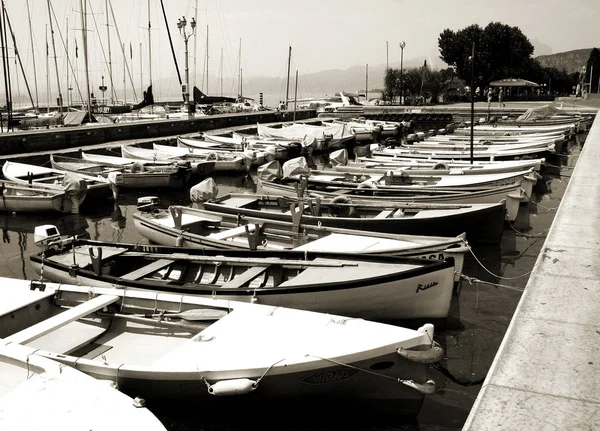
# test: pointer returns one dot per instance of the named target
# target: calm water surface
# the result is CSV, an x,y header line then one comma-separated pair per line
x,y
479,315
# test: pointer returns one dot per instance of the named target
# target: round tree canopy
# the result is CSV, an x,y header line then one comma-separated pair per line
x,y
513,82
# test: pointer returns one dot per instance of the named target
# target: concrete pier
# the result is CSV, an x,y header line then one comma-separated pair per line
x,y
546,374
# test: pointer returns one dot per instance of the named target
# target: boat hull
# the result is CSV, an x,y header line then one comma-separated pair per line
x,y
366,291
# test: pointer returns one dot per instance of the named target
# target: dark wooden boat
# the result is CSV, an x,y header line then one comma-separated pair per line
x,y
483,223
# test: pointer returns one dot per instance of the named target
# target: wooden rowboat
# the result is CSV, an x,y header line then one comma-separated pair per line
x,y
130,175
483,223
374,287
19,198
206,351
192,227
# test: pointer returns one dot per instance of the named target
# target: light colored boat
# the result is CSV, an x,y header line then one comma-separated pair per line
x,y
200,165
64,398
367,286
23,198
192,227
77,186
166,347
491,152
132,175
386,182
339,162
278,148
568,129
256,157
334,136
225,161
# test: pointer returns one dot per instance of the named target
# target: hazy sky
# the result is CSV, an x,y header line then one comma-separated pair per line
x,y
323,34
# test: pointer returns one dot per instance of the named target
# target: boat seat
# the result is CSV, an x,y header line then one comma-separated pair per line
x,y
385,214
230,233
55,322
148,269
245,277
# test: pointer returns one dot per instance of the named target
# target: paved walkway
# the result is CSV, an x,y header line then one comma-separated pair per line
x,y
546,374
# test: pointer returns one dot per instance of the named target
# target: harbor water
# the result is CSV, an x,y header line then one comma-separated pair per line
x,y
482,307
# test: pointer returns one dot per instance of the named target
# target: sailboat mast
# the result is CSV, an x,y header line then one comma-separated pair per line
x,y
149,45
240,64
195,45
207,60
17,55
47,73
83,5
68,86
287,86
221,72
37,103
110,72
5,68
55,60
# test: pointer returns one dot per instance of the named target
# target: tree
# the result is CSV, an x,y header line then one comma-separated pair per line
x,y
391,85
501,51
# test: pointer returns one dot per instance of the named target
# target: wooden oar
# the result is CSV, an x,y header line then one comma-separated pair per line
x,y
184,326
193,315
241,261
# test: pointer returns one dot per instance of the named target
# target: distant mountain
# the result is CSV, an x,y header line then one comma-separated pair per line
x,y
570,61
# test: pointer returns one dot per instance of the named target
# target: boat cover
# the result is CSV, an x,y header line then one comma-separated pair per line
x,y
339,157
74,185
269,171
204,191
539,113
297,166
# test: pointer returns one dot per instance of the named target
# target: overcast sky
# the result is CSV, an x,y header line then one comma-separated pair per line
x,y
323,34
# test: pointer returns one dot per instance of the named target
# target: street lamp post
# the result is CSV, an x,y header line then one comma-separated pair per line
x,y
181,24
402,45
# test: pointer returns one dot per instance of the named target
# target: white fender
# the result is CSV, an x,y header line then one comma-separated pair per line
x,y
232,387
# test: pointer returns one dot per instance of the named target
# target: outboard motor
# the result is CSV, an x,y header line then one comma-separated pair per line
x,y
46,235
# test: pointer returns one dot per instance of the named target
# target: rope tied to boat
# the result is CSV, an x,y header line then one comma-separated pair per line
x,y
472,280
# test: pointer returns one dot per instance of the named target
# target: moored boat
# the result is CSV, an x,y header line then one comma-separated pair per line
x,y
374,287
64,397
201,166
192,227
166,347
19,198
482,223
131,175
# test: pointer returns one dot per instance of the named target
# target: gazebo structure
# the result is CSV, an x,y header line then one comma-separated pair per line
x,y
518,84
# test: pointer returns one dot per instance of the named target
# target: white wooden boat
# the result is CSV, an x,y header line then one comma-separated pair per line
x,y
77,186
367,286
333,136
64,398
568,129
339,162
192,227
387,182
23,198
495,152
256,157
225,161
131,175
200,165
170,347
279,149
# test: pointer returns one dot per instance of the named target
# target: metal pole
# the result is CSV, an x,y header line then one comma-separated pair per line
x,y
295,96
287,87
472,96
367,83
402,45
187,80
